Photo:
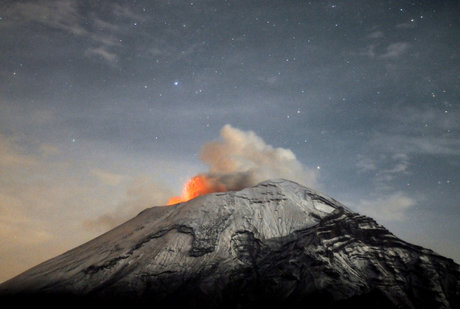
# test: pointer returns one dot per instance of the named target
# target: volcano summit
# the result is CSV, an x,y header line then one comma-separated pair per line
x,y
277,243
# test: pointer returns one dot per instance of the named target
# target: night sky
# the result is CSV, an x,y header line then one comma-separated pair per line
x,y
105,105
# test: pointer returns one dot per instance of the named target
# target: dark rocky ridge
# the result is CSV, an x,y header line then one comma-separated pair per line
x,y
275,244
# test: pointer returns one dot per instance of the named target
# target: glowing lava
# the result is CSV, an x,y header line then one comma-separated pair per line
x,y
198,185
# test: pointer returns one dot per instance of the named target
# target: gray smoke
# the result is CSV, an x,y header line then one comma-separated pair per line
x,y
241,159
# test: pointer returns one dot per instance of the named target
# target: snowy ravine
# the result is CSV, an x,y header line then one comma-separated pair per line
x,y
275,243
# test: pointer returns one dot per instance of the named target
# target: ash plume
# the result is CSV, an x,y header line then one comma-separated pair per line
x,y
241,159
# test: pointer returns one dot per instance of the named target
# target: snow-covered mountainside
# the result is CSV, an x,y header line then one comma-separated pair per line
x,y
274,243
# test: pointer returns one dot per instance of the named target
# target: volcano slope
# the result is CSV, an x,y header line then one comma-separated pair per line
x,y
277,243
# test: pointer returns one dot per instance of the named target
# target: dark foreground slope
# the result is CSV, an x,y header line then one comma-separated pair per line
x,y
275,244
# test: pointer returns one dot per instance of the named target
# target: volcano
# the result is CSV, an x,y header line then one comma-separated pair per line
x,y
274,244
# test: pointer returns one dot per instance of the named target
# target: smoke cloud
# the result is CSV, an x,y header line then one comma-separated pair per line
x,y
140,193
241,159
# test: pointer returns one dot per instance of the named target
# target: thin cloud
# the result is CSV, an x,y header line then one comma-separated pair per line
x,y
102,52
68,16
392,51
386,167
47,150
14,156
107,178
61,15
411,144
375,35
419,131
140,194
397,166
408,25
365,164
395,50
386,208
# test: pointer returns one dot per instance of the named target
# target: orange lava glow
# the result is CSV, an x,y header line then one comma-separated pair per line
x,y
196,186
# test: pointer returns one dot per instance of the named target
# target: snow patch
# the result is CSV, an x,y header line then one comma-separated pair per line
x,y
323,207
